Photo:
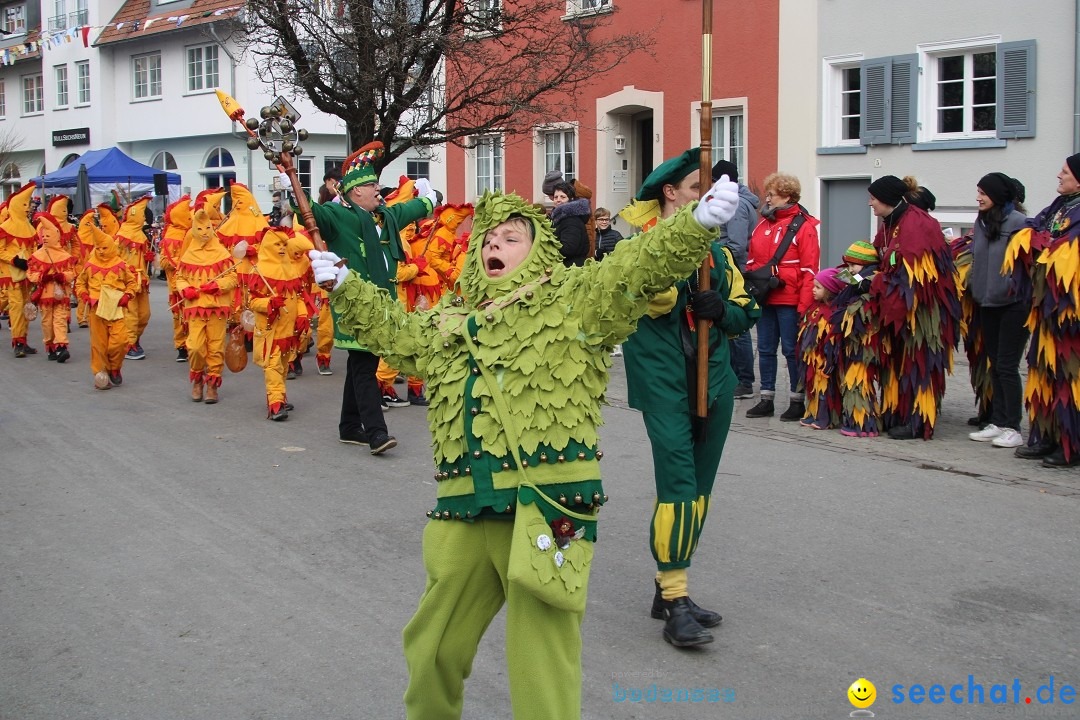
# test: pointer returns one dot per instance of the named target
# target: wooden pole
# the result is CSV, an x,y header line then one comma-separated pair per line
x,y
705,180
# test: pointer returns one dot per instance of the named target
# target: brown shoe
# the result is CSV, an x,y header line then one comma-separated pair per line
x,y
211,394
197,391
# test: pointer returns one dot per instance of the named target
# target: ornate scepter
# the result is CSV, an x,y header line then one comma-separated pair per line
x,y
705,180
279,139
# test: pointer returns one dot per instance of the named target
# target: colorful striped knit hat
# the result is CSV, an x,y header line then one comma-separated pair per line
x,y
861,253
359,168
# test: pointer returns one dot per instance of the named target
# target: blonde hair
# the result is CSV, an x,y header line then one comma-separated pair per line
x,y
911,182
784,184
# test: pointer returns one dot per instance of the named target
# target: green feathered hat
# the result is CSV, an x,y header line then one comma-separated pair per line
x,y
359,168
669,172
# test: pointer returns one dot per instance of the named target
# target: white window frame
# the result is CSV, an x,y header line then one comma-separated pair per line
x,y
163,160
724,107
542,158
721,145
82,90
929,53
208,170
475,8
59,20
476,161
80,15
39,91
136,60
3,99
577,8
412,168
206,81
832,117
14,20
60,76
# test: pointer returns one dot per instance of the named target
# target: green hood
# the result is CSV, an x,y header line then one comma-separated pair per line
x,y
544,257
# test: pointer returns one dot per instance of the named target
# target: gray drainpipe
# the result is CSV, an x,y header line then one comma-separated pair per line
x,y
232,91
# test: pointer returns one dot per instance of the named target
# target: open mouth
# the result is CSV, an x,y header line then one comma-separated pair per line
x,y
495,265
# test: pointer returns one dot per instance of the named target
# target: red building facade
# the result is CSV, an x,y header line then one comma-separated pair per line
x,y
648,108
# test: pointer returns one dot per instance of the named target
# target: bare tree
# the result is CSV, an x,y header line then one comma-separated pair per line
x,y
416,73
10,142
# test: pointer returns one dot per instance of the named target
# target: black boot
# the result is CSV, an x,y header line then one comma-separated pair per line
x,y
795,411
1034,452
902,432
680,627
62,354
20,350
764,408
705,618
1056,459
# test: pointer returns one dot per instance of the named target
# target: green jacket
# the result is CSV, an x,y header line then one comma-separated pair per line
x,y
661,357
545,333
352,234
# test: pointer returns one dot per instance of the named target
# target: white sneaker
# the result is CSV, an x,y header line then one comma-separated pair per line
x,y
1008,438
987,434
617,352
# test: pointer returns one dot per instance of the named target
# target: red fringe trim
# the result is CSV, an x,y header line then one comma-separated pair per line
x,y
207,270
27,243
195,376
133,245
230,241
116,269
322,359
206,312
254,281
286,343
36,264
8,282
212,380
45,302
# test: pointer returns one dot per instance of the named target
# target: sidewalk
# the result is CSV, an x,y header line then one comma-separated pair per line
x,y
950,451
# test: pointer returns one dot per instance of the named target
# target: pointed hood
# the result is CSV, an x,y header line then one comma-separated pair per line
x,y
211,200
203,253
109,223
48,230
245,220
17,224
177,219
544,256
105,248
275,262
134,220
406,190
59,207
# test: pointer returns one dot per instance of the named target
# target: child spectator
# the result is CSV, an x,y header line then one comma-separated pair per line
x,y
854,322
818,354
607,237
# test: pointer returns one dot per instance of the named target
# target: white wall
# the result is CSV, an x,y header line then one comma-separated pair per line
x,y
798,99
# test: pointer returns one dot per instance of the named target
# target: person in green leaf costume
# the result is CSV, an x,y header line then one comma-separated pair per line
x,y
523,352
661,375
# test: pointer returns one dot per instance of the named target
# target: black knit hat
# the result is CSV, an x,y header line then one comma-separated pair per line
x,y
999,187
725,167
889,189
1073,161
921,197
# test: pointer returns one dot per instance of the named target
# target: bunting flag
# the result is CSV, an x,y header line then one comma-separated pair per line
x,y
53,40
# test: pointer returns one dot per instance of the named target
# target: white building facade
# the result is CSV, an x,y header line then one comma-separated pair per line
x,y
145,81
944,92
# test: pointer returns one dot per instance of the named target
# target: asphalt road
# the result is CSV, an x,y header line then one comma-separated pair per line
x,y
165,559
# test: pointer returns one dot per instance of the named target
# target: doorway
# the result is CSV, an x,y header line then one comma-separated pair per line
x,y
845,217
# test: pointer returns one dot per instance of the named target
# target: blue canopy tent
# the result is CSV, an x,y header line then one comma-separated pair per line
x,y
107,170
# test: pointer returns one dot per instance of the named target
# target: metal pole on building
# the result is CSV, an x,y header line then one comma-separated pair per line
x,y
705,180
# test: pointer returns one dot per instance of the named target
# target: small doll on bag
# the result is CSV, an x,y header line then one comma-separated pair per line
x,y
52,270
275,294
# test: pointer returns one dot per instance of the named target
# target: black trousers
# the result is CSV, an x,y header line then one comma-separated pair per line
x,y
361,402
1004,338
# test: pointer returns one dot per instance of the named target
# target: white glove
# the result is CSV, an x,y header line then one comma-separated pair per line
x,y
325,266
424,190
285,180
719,204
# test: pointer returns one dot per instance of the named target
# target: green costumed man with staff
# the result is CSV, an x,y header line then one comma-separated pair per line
x,y
661,375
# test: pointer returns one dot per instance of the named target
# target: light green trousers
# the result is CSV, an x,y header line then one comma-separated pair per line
x,y
466,586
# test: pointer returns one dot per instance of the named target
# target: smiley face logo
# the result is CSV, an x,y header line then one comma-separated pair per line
x,y
862,693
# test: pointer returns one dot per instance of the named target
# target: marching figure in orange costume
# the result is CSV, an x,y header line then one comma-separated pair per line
x,y
275,288
137,254
58,208
52,269
210,200
17,240
177,224
106,285
443,246
205,279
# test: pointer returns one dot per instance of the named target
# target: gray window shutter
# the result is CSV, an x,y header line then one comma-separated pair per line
x,y
1016,89
904,94
874,101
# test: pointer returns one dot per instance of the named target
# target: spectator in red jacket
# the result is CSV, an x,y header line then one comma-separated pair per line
x,y
779,323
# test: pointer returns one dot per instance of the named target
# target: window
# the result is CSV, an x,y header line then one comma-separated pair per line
x,y
484,17
68,160
964,88
489,160
202,68
587,7
146,76
79,16
61,86
3,100
219,168
33,94
59,19
559,153
416,169
82,82
850,94
729,140
14,22
163,161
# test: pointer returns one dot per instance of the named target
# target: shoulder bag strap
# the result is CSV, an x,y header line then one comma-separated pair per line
x,y
789,236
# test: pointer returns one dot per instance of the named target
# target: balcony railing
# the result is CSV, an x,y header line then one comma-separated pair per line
x,y
79,18
57,22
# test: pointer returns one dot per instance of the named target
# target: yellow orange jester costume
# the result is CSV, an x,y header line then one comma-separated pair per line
x,y
137,253
177,224
52,270
17,240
